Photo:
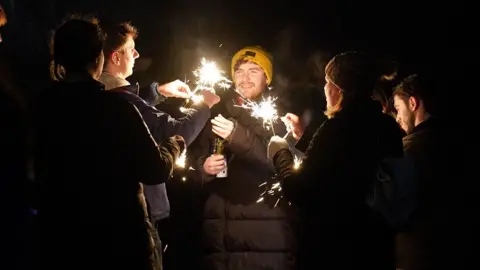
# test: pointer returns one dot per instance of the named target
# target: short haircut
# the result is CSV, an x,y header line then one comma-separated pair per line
x,y
117,36
75,45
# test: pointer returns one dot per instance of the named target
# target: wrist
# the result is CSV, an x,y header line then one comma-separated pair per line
x,y
160,91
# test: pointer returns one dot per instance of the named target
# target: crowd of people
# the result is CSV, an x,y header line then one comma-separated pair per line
x,y
83,185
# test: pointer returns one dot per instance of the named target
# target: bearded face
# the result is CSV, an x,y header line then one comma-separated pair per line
x,y
405,115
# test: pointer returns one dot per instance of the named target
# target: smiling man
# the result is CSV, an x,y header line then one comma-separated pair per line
x,y
232,211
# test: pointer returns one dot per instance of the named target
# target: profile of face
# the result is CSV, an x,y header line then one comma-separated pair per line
x,y
124,59
405,113
3,20
332,93
250,80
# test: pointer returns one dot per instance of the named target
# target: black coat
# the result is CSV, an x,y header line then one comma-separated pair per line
x,y
238,232
337,228
92,153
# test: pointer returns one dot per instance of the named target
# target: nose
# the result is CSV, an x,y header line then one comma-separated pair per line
x,y
398,118
136,54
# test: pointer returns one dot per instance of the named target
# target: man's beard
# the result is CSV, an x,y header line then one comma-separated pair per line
x,y
410,122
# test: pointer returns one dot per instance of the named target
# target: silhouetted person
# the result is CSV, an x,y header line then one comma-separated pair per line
x,y
438,233
92,151
338,230
14,139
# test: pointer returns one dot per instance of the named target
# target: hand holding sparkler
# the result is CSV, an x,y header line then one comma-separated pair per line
x,y
266,110
276,144
177,89
208,97
294,125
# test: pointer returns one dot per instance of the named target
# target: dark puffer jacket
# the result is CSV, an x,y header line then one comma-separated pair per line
x,y
238,232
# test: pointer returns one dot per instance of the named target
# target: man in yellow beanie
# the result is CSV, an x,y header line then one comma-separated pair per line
x,y
258,235
252,71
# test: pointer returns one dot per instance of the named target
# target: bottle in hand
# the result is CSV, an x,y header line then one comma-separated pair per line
x,y
218,149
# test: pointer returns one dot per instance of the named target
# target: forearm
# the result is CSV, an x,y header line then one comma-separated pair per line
x,y
189,126
151,95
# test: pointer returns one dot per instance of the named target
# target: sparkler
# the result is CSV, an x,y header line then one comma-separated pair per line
x,y
274,189
208,77
265,109
181,160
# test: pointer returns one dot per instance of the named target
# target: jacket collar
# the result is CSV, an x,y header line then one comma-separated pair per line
x,y
111,82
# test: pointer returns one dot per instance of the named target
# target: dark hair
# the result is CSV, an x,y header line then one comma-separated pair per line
x,y
75,45
417,87
117,36
358,73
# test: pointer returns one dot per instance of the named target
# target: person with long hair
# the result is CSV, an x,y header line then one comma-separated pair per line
x,y
338,230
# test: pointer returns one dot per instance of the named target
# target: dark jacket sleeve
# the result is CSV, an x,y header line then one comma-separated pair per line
x,y
251,145
316,168
154,163
150,94
162,125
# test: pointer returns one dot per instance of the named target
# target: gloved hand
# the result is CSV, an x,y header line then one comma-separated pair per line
x,y
276,144
179,142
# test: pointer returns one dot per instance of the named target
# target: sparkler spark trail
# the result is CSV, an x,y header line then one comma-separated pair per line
x,y
297,162
208,77
275,189
266,110
180,162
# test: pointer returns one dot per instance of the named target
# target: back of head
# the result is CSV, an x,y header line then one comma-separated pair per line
x,y
76,46
357,73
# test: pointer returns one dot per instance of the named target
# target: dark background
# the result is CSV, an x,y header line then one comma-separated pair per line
x,y
302,35
430,37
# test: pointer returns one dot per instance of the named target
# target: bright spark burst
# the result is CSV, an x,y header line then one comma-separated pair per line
x,y
297,162
265,109
275,189
209,76
181,160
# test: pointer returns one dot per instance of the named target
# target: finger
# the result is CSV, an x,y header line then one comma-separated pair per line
x,y
286,121
184,87
217,166
217,169
225,121
217,163
218,133
292,117
220,124
217,157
